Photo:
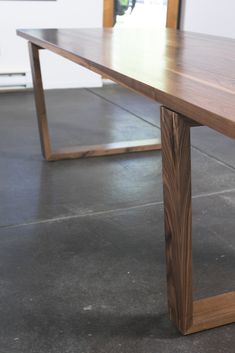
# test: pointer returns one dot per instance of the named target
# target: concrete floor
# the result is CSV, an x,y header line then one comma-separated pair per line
x,y
82,266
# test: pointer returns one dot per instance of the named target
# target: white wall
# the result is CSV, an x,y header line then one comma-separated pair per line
x,y
209,16
57,72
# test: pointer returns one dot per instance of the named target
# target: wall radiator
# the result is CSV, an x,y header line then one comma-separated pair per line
x,y
15,80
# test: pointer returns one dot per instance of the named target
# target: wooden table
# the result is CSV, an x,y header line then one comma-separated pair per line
x,y
193,76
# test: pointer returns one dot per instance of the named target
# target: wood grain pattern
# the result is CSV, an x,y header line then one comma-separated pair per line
x,y
213,312
190,73
40,100
173,14
175,132
189,315
106,149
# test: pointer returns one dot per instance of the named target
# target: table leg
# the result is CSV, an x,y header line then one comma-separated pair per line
x,y
40,101
82,151
178,216
189,315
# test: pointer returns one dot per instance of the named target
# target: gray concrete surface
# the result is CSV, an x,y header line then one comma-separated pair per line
x,y
82,266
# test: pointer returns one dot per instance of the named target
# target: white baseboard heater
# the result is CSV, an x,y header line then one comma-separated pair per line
x,y
15,80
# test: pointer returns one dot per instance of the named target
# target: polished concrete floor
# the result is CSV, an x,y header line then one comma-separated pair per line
x,y
82,266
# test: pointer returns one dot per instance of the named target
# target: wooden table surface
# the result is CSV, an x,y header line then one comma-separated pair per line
x,y
193,77
191,73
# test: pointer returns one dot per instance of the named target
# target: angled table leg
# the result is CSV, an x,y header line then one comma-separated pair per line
x,y
75,152
40,101
189,315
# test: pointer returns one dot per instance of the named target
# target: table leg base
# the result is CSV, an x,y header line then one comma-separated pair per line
x,y
105,150
212,312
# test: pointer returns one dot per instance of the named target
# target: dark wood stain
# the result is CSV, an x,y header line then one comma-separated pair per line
x,y
175,132
189,315
192,74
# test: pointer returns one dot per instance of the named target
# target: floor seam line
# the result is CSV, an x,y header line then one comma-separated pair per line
x,y
125,109
158,127
83,215
229,166
106,212
215,193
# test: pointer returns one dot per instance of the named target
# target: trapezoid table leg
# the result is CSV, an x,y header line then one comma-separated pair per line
x,y
80,151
